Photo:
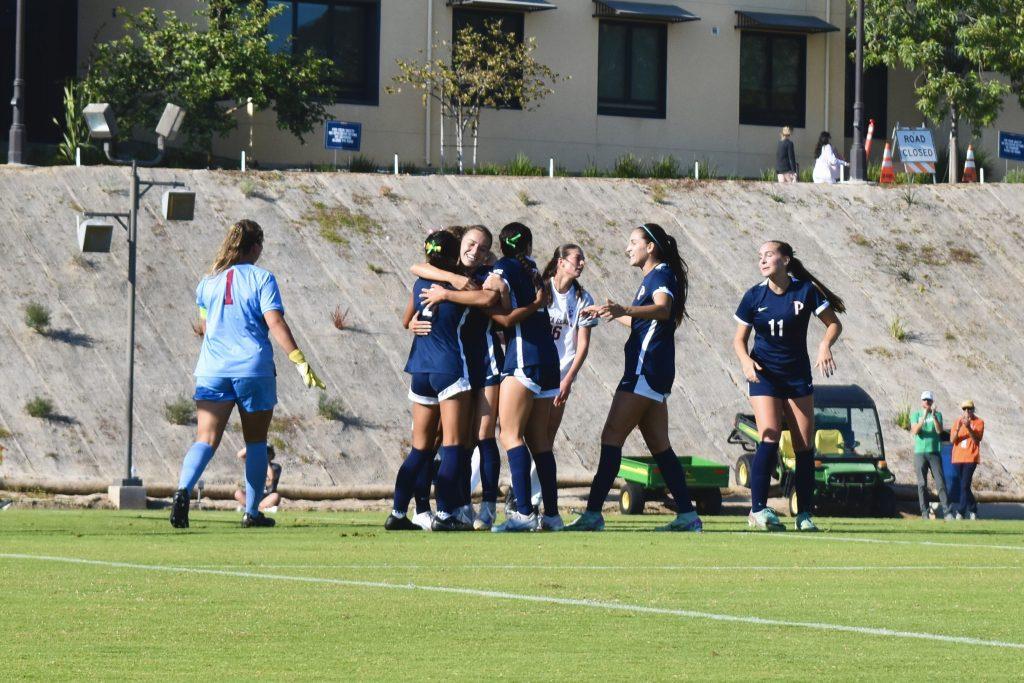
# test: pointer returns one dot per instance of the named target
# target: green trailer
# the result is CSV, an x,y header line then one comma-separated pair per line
x,y
643,482
850,472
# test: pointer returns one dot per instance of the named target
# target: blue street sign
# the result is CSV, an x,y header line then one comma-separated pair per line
x,y
1011,146
343,135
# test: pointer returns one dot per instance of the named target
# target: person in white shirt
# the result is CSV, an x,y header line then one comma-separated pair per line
x,y
827,165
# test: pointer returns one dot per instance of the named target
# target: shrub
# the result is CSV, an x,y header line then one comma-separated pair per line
x,y
1014,175
769,175
329,408
629,166
409,168
489,169
180,411
339,318
897,330
707,170
362,164
902,419
806,175
665,167
247,187
521,165
39,407
592,171
658,194
37,316
525,198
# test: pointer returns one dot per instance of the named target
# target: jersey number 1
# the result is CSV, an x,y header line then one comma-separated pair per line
x,y
227,287
771,323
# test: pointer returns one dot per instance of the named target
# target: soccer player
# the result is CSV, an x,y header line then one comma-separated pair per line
x,y
440,387
530,381
241,307
642,395
778,371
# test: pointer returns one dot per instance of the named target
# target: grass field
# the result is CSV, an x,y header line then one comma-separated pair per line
x,y
100,595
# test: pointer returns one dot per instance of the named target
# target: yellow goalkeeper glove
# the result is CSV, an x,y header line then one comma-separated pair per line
x,y
309,377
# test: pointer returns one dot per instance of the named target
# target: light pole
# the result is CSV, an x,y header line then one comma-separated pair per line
x,y
858,159
177,206
16,139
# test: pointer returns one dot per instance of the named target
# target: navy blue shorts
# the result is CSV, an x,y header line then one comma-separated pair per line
x,y
779,386
543,381
252,394
430,388
639,385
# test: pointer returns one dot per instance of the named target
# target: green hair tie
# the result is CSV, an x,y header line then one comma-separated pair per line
x,y
432,247
511,241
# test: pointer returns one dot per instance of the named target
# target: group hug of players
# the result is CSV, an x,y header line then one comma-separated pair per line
x,y
497,345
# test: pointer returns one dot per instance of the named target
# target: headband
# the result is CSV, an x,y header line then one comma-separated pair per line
x,y
653,238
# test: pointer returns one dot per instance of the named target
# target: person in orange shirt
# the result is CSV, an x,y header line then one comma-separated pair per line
x,y
966,436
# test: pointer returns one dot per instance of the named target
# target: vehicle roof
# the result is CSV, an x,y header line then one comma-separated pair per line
x,y
841,395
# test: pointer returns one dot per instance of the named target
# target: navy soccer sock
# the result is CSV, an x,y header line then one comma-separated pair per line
x,y
255,475
408,474
675,479
607,470
519,468
765,459
196,460
803,481
465,475
547,473
490,469
446,489
424,479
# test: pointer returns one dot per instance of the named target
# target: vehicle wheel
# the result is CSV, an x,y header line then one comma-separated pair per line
x,y
743,468
793,509
708,502
631,499
884,503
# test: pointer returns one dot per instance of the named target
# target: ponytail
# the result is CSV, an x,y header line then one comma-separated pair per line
x,y
668,251
442,250
515,240
797,269
240,240
552,267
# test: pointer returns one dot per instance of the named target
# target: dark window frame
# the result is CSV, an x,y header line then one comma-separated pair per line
x,y
517,17
369,93
627,107
770,116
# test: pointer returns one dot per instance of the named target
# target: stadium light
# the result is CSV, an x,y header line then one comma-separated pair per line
x,y
96,233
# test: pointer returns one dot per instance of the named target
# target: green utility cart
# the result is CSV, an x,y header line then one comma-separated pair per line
x,y
643,482
850,472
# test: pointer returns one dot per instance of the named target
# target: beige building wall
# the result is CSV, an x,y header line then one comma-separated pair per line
x,y
702,93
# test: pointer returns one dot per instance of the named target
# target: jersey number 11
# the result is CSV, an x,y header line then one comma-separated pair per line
x,y
771,323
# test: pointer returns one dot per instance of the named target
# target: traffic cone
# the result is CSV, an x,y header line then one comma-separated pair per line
x,y
970,170
888,176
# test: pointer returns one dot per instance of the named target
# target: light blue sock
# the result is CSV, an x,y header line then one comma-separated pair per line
x,y
196,460
255,475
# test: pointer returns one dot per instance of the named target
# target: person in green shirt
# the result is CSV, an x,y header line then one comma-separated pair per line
x,y
926,426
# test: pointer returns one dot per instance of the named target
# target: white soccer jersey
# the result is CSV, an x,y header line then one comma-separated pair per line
x,y
564,312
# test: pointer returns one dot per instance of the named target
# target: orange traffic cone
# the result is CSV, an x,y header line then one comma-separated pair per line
x,y
970,170
888,175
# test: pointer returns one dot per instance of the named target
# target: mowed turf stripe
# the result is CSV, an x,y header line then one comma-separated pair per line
x,y
623,567
881,541
519,597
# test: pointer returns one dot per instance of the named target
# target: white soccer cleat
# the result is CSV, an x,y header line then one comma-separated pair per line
x,y
516,521
486,516
424,520
766,520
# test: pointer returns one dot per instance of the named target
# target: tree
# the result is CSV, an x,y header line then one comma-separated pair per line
x,y
210,73
482,69
955,50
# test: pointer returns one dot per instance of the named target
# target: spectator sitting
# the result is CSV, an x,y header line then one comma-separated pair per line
x,y
785,158
827,163
926,426
966,436
271,498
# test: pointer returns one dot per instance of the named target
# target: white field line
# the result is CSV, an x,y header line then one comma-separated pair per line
x,y
628,567
882,541
542,599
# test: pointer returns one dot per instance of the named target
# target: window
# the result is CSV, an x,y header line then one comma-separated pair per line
x,y
511,22
773,79
631,69
874,90
346,31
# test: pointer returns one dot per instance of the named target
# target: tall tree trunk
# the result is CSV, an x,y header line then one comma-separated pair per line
x,y
441,137
476,138
953,136
460,130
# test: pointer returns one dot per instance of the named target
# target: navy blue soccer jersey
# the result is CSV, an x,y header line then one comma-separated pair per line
x,y
442,350
529,342
480,339
651,348
780,325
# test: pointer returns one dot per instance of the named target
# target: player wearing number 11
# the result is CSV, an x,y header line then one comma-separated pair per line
x,y
778,371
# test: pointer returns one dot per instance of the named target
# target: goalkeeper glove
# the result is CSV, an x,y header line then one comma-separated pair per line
x,y
309,378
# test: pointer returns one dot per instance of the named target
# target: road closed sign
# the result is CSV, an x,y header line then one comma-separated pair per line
x,y
916,149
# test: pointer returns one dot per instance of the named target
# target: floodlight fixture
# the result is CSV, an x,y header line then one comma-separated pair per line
x,y
101,121
170,122
95,235
179,205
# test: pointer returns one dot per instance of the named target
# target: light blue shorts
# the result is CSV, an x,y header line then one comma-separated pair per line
x,y
252,394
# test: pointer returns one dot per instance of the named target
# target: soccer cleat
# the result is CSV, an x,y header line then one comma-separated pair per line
x,y
486,516
551,523
765,520
804,522
449,523
179,509
588,521
925,516
259,519
684,521
516,521
466,514
424,520
403,523
972,516
510,502
958,516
